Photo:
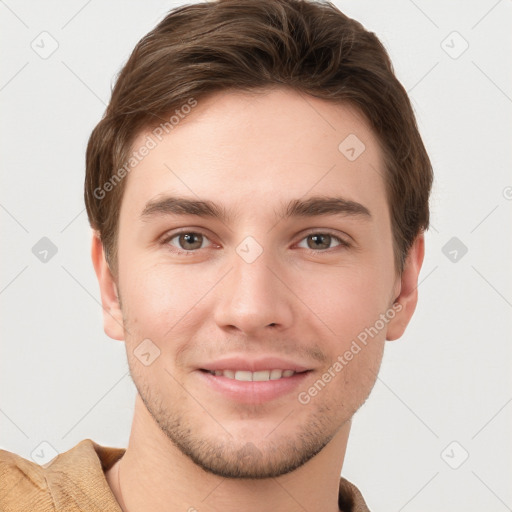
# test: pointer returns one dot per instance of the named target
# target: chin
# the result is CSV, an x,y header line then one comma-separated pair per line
x,y
242,456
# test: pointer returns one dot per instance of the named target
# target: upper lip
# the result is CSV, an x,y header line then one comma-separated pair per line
x,y
253,365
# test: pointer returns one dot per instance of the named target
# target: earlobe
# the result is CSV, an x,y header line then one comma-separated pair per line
x,y
408,297
112,314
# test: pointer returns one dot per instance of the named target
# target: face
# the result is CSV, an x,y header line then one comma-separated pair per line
x,y
254,303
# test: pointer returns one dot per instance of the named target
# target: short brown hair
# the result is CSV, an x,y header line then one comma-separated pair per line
x,y
247,45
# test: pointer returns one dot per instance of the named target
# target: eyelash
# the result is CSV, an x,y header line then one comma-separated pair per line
x,y
342,243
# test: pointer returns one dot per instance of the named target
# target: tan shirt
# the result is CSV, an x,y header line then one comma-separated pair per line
x,y
75,482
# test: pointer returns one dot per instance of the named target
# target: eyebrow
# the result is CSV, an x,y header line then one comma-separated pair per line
x,y
310,207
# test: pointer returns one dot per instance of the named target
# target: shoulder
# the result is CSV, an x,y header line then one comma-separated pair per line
x,y
22,484
70,481
350,498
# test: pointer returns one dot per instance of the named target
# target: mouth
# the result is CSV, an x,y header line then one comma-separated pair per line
x,y
253,382
258,376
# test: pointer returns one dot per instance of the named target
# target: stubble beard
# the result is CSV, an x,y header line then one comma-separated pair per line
x,y
228,457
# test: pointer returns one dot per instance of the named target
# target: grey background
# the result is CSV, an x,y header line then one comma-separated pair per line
x,y
447,380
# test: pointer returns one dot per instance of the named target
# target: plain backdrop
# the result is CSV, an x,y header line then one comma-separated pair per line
x,y
435,432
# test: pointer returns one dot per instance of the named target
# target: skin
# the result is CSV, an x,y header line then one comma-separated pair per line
x,y
251,154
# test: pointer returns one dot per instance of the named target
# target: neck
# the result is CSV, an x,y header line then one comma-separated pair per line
x,y
155,475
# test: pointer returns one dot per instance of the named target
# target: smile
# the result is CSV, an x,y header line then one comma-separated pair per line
x,y
253,387
258,376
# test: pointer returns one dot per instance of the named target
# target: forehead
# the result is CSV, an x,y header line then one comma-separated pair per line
x,y
248,151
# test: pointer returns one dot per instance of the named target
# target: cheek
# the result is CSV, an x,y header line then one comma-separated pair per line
x,y
161,300
350,304
346,301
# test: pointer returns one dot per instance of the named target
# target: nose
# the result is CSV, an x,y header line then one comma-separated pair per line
x,y
254,296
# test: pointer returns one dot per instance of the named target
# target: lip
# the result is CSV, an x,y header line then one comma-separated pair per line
x,y
254,365
252,392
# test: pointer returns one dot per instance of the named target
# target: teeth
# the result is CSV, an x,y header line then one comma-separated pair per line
x,y
243,375
276,374
262,375
259,376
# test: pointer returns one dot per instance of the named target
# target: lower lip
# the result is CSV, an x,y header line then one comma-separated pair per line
x,y
253,392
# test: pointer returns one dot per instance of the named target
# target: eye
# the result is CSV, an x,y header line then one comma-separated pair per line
x,y
322,241
186,241
192,241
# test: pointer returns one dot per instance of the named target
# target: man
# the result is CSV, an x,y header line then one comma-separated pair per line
x,y
258,191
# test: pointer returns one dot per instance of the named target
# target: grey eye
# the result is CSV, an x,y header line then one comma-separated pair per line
x,y
188,241
320,241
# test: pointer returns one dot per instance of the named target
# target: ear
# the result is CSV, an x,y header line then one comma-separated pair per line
x,y
406,301
112,314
